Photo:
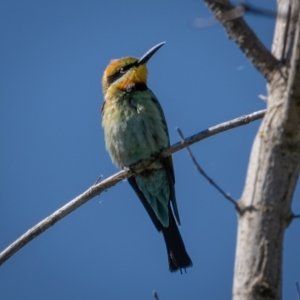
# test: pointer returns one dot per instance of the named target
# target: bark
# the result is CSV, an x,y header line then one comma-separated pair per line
x,y
272,172
265,206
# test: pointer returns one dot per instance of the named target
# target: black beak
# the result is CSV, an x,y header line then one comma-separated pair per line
x,y
144,59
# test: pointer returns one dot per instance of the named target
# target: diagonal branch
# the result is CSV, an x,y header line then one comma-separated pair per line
x,y
238,30
114,179
209,179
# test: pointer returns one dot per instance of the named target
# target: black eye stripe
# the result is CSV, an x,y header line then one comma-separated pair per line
x,y
112,78
119,73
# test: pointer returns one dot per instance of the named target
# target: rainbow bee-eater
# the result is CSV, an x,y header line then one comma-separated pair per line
x,y
135,128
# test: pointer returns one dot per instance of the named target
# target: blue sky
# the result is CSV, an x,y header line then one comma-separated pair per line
x,y
53,54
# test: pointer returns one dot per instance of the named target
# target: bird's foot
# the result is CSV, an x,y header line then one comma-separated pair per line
x,y
126,168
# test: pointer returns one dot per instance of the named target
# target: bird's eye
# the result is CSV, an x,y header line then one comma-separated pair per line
x,y
122,70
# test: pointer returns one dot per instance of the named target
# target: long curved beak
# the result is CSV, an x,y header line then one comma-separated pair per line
x,y
144,59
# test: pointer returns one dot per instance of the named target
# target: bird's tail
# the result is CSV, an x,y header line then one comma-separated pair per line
x,y
177,255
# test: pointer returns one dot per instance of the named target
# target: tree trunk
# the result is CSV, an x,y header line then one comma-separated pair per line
x,y
273,170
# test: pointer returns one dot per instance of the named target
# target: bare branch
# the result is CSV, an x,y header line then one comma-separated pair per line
x,y
238,30
114,179
240,10
243,120
209,179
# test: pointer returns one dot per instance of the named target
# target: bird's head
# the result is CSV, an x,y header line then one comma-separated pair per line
x,y
125,72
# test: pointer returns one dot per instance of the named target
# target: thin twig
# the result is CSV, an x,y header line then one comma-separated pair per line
x,y
98,179
114,179
209,179
155,295
258,10
298,289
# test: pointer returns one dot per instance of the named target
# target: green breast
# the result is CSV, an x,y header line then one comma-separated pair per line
x,y
135,127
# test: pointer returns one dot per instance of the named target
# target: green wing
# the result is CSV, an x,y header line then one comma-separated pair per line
x,y
168,163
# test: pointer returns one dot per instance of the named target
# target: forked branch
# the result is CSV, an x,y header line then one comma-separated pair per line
x,y
114,179
239,31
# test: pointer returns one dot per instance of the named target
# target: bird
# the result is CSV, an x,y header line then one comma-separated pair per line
x,y
135,128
